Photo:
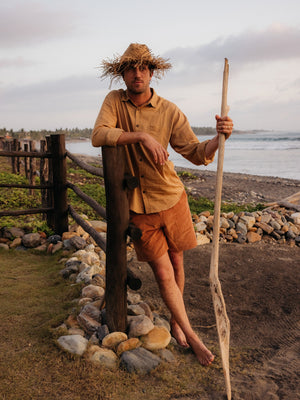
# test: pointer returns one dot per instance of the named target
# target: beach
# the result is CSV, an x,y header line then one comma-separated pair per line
x,y
260,284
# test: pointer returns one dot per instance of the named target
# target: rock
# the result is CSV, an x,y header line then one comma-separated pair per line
x,y
16,242
241,238
157,338
275,225
253,237
159,321
127,345
265,227
200,226
76,331
87,323
31,240
92,311
248,220
74,243
54,239
133,298
12,233
241,228
112,340
103,357
93,291
4,246
224,223
98,280
99,226
266,218
88,257
147,309
296,218
74,344
88,272
58,246
135,309
139,360
140,325
201,239
102,331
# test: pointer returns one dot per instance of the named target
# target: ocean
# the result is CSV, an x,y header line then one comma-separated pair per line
x,y
265,153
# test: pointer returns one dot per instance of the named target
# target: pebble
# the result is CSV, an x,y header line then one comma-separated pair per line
x,y
74,344
139,360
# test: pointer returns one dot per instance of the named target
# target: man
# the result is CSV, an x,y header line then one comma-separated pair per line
x,y
145,124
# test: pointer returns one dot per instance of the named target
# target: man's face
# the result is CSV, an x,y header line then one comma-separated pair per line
x,y
137,79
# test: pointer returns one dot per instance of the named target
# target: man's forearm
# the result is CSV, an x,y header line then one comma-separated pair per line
x,y
212,147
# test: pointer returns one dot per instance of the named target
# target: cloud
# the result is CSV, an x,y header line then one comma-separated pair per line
x,y
278,42
16,62
33,22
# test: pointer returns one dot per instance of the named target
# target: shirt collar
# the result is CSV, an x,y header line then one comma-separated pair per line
x,y
151,103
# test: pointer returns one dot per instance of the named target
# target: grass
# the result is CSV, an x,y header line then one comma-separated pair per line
x,y
34,300
92,186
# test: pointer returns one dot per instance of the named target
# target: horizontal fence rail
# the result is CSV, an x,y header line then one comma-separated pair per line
x,y
54,185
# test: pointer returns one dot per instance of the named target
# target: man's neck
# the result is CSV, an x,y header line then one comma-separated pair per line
x,y
139,99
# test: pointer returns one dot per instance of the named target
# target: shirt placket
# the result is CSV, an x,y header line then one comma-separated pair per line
x,y
141,159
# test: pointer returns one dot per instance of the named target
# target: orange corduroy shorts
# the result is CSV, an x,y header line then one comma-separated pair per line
x,y
171,229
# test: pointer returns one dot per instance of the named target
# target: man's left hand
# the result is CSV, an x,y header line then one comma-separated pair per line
x,y
224,126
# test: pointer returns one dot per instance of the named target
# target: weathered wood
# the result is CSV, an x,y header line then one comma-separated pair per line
x,y
89,168
88,228
25,186
59,173
91,202
22,153
25,212
117,211
223,324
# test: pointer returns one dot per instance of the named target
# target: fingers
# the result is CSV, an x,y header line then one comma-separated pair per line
x,y
224,125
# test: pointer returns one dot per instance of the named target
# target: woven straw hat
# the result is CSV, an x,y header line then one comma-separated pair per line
x,y
136,54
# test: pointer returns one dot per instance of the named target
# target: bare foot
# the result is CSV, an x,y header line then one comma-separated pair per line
x,y
204,356
178,334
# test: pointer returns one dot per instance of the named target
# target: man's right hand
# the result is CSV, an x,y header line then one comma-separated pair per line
x,y
158,152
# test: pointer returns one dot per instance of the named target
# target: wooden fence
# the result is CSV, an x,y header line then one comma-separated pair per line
x,y
52,169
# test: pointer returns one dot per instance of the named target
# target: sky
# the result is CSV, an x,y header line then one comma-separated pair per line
x,y
50,52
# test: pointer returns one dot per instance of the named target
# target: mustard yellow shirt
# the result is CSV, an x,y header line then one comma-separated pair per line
x,y
159,186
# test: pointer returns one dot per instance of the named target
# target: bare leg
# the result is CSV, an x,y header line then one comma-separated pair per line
x,y
172,296
178,267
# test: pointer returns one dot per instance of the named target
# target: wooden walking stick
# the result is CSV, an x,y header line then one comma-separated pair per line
x,y
223,324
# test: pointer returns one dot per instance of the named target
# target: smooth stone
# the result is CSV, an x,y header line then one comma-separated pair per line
x,y
76,331
133,298
241,238
224,223
31,240
93,291
12,233
112,340
135,309
54,239
92,311
200,226
4,246
74,344
127,345
88,257
266,218
157,338
296,218
139,360
140,325
104,357
159,321
147,309
87,274
99,226
98,280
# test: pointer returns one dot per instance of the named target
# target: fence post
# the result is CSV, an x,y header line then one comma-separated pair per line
x,y
59,173
117,214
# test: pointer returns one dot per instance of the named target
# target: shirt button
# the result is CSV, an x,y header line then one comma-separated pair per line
x,y
142,176
144,191
137,125
141,159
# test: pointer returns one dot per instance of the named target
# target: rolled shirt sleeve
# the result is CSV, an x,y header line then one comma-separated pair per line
x,y
105,132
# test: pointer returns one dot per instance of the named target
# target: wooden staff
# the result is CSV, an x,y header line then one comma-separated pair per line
x,y
223,324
